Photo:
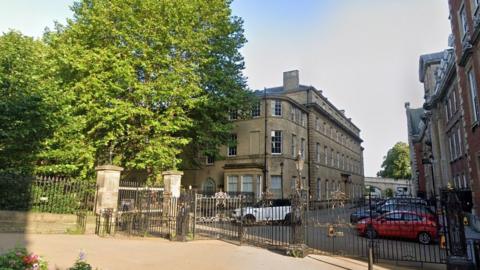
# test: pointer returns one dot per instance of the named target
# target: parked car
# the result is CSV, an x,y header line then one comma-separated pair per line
x,y
401,224
420,209
405,200
362,213
275,210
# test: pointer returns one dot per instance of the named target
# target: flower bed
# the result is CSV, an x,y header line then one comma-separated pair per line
x,y
21,259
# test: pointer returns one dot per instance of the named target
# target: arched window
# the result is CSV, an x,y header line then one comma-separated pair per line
x,y
209,187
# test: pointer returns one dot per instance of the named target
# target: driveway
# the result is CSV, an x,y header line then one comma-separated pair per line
x,y
154,253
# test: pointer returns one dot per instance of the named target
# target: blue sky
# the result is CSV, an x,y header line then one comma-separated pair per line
x,y
362,53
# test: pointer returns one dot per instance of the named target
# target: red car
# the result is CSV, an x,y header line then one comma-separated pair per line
x,y
403,224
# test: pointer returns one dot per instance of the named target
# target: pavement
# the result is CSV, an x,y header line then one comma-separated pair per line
x,y
121,253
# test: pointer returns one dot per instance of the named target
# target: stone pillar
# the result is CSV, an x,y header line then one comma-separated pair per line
x,y
172,181
108,181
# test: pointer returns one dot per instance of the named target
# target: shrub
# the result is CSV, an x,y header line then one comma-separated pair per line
x,y
20,259
81,264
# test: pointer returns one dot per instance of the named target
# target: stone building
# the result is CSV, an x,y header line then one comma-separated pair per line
x,y
416,137
288,120
437,141
379,186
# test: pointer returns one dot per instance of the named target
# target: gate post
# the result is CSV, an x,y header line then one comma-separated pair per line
x,y
456,242
183,217
108,181
297,247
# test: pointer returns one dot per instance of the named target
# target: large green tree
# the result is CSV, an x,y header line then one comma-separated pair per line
x,y
397,162
26,111
144,78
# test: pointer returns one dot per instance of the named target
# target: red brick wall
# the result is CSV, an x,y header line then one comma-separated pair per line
x,y
472,132
421,170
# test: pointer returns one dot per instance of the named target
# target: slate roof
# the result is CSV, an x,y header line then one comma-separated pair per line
x,y
427,59
278,90
415,120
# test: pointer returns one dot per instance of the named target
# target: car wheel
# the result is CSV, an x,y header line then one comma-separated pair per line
x,y
424,238
288,219
249,220
371,233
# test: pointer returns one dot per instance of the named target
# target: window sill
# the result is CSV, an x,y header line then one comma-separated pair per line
x,y
276,154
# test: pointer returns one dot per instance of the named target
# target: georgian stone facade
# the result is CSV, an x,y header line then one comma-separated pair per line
x,y
290,119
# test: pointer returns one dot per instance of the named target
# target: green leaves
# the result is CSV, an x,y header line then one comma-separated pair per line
x,y
131,82
397,162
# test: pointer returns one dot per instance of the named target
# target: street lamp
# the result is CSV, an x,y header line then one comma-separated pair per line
x,y
281,178
299,162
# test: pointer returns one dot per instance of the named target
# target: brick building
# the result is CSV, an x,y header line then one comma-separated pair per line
x,y
465,24
288,119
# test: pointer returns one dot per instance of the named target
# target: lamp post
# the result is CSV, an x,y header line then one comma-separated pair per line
x,y
281,179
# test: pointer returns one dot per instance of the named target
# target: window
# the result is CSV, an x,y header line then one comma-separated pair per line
x,y
319,189
463,22
325,151
256,110
292,113
459,139
473,95
465,183
343,162
304,119
232,145
338,160
447,114
325,127
450,147
247,183
259,186
450,106
294,145
455,145
326,189
317,152
317,124
454,100
276,141
233,115
232,184
332,157
209,160
475,6
293,184
276,107
209,187
276,186
302,148
393,217
411,217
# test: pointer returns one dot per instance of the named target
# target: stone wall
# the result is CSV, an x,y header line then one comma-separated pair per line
x,y
30,222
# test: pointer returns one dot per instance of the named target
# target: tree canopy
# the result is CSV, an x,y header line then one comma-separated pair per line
x,y
397,162
131,83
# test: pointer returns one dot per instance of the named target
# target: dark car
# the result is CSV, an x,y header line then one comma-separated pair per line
x,y
362,213
405,200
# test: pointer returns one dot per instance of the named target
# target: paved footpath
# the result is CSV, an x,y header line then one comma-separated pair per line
x,y
154,253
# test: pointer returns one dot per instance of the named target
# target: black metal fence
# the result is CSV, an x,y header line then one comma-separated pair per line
x,y
47,194
397,229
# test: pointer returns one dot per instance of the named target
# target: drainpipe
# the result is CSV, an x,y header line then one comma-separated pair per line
x,y
309,171
265,169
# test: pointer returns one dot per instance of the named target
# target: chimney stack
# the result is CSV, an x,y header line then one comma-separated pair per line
x,y
291,80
